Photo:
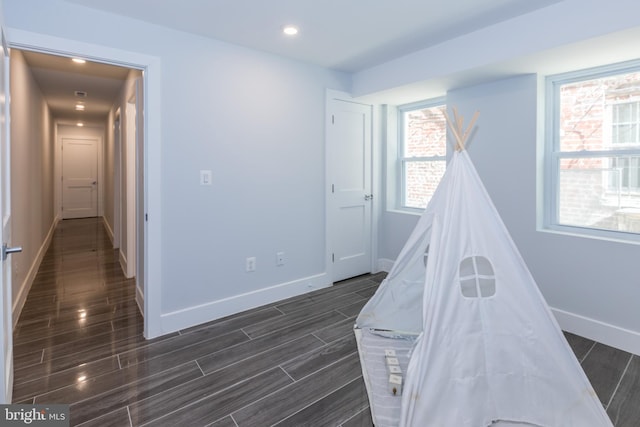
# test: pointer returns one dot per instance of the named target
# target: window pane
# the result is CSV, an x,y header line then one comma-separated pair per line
x,y
421,179
468,288
425,132
600,114
595,193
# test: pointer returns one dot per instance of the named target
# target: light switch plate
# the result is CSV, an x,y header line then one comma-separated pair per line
x,y
205,177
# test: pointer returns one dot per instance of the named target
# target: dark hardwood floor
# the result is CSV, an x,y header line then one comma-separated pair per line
x,y
293,363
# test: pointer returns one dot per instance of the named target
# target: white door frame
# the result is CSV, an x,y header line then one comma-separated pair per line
x,y
151,67
131,136
117,177
332,94
6,291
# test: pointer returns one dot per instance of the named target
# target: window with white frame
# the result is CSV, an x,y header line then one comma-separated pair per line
x,y
593,151
422,151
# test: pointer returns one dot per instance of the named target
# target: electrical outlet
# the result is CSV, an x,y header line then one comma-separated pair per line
x,y
280,258
251,264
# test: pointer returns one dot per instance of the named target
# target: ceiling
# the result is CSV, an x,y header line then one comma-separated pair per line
x,y
59,78
346,35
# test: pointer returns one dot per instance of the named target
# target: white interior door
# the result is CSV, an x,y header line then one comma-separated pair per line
x,y
350,198
79,178
6,303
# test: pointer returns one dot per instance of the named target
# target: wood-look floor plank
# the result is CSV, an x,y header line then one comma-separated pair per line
x,y
191,343
28,359
318,300
238,320
333,409
119,418
281,323
241,351
352,309
62,359
580,346
195,405
29,344
361,419
108,393
332,291
368,293
604,367
225,422
338,330
252,366
624,409
25,386
289,400
317,359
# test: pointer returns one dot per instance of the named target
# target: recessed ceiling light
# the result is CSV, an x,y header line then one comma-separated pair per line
x,y
78,60
79,107
80,124
290,30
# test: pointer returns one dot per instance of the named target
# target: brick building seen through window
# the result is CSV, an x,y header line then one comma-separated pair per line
x,y
599,153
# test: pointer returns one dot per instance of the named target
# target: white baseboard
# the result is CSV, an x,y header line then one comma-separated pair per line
x,y
108,228
181,319
614,336
25,286
385,264
123,263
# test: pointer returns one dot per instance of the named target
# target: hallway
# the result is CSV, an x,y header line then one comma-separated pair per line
x,y
80,309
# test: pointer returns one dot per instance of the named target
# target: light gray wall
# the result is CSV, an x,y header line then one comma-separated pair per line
x,y
256,120
32,169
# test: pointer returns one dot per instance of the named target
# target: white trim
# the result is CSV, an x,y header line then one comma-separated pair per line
x,y
614,336
140,300
385,264
25,287
123,263
151,66
107,227
199,314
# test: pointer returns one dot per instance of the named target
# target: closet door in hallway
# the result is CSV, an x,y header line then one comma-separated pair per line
x,y
79,178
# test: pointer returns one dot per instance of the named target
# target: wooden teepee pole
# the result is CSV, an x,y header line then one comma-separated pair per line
x,y
457,128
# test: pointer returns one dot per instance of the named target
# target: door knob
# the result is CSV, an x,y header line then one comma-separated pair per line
x,y
368,196
6,250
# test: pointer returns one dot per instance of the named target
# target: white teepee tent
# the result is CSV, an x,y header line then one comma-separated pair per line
x,y
488,349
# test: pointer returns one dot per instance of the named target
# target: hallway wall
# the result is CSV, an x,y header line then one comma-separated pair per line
x,y
32,177
128,91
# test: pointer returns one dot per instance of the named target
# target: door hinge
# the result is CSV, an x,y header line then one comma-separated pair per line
x,y
146,217
333,188
333,119
333,257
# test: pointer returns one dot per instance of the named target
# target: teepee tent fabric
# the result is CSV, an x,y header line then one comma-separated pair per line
x,y
489,349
